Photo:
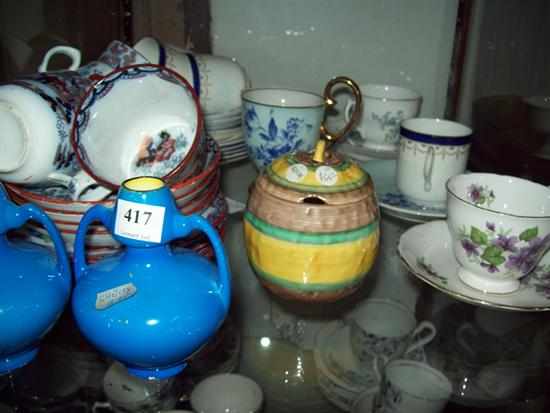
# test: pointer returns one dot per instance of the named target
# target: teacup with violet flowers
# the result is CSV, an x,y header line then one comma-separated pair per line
x,y
500,228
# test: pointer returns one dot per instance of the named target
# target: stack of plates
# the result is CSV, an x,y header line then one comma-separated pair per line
x,y
199,193
225,128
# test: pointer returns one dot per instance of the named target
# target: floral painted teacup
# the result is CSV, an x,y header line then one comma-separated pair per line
x,y
386,329
500,228
138,120
384,108
413,387
36,113
278,121
281,121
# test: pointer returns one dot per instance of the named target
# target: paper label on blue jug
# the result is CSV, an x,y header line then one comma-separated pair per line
x,y
141,222
110,297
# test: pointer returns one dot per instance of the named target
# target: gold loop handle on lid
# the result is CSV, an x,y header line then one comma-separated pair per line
x,y
328,137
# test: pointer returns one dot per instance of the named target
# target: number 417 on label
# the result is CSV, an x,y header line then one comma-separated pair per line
x,y
139,221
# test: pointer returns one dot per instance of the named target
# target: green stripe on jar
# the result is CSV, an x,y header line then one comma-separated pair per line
x,y
310,238
307,287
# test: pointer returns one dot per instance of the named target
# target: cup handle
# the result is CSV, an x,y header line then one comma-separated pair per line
x,y
70,52
424,326
328,135
428,169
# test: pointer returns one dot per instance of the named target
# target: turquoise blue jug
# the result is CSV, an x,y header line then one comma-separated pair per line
x,y
36,284
149,307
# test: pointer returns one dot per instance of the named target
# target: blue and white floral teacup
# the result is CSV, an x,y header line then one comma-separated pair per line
x,y
500,228
36,114
413,387
280,121
139,120
386,329
430,152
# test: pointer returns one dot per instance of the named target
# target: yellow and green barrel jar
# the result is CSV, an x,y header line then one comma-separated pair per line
x,y
312,228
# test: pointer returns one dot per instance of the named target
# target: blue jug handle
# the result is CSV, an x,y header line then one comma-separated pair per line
x,y
19,215
183,226
95,213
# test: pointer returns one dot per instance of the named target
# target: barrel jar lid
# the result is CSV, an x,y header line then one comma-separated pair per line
x,y
299,172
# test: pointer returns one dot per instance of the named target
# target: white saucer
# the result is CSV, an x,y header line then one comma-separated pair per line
x,y
383,171
354,148
426,250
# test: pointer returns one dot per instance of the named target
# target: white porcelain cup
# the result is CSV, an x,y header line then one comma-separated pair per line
x,y
384,108
71,52
36,114
280,121
386,329
140,120
227,393
413,387
430,152
218,80
128,393
500,229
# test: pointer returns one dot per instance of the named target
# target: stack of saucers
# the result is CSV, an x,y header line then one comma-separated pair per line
x,y
341,377
199,193
225,128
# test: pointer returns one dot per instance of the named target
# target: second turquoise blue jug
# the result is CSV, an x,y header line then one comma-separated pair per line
x,y
149,307
35,285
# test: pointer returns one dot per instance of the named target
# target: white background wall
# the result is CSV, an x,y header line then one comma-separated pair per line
x,y
302,44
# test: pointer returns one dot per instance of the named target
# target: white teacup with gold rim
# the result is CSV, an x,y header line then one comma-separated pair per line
x,y
218,80
430,152
500,228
